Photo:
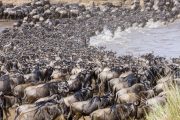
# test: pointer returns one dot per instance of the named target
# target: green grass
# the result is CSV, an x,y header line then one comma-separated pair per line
x,y
171,111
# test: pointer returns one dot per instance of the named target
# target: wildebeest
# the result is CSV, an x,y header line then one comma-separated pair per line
x,y
45,110
58,87
32,93
116,112
83,80
47,74
57,74
87,107
147,94
16,79
81,95
125,81
6,102
1,113
35,76
136,88
106,75
44,38
2,106
157,100
18,91
5,84
128,98
23,108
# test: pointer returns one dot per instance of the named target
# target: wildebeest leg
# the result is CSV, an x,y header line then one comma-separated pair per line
x,y
84,118
69,15
1,113
70,114
7,113
77,116
101,88
16,114
19,101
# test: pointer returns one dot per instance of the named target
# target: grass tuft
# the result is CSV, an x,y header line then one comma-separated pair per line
x,y
171,111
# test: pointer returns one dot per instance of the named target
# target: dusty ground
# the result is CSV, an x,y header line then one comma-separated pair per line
x,y
87,2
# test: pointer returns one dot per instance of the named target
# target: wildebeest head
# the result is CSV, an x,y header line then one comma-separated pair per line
x,y
132,79
81,76
9,65
138,87
125,111
2,73
84,94
107,100
63,88
152,74
2,59
87,93
95,99
48,73
5,78
15,65
37,73
88,77
133,107
117,69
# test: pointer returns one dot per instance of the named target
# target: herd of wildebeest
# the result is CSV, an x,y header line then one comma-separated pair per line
x,y
50,72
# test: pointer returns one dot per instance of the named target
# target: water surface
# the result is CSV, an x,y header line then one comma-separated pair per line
x,y
160,39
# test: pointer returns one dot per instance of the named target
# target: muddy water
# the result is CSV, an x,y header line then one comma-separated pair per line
x,y
5,24
160,39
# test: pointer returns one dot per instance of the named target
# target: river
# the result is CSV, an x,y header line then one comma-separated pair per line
x,y
163,40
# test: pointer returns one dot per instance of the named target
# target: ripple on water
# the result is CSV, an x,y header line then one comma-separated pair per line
x,y
163,40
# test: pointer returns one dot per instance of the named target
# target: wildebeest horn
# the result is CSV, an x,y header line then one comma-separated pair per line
x,y
90,88
114,98
67,90
137,103
1,93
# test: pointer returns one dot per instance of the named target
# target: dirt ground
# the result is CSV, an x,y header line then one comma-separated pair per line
x,y
86,2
